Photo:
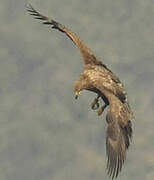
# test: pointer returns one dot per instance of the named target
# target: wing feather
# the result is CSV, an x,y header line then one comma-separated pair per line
x,y
119,131
87,54
117,142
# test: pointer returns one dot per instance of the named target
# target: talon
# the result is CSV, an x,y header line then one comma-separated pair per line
x,y
95,104
101,110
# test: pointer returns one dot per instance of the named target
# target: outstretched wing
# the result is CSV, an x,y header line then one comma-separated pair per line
x,y
117,142
119,131
88,56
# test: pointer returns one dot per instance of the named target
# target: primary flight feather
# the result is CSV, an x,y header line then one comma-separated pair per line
x,y
96,77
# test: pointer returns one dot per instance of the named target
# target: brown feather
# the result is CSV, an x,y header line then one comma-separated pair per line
x,y
98,78
117,142
87,54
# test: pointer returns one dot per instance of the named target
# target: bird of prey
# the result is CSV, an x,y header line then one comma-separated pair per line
x,y
98,78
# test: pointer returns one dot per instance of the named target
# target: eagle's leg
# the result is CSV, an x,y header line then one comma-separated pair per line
x,y
101,110
95,103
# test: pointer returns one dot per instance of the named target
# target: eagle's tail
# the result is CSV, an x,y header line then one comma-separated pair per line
x,y
117,142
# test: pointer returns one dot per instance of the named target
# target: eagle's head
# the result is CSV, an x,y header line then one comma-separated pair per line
x,y
81,84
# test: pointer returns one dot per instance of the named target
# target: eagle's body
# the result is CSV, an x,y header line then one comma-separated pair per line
x,y
96,77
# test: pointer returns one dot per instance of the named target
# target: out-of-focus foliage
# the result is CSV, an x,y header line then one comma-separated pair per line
x,y
46,134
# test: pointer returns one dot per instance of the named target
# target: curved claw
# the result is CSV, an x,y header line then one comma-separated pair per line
x,y
101,110
95,104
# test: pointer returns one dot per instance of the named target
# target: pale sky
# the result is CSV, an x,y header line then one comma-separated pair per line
x,y
45,133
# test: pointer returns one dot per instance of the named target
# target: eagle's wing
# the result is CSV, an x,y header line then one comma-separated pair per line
x,y
88,56
117,142
119,131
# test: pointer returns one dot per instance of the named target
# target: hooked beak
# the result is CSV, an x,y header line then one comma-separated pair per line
x,y
77,94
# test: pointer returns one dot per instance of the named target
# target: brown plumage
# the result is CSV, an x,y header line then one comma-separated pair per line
x,y
96,77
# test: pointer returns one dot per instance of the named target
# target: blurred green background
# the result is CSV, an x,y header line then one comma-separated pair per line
x,y
45,134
